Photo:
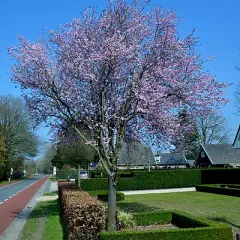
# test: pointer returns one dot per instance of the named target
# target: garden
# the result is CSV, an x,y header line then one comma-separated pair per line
x,y
184,215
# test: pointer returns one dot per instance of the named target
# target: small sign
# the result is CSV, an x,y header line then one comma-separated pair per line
x,y
24,171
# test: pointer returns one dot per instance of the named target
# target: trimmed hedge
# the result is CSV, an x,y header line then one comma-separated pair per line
x,y
225,176
66,174
219,190
204,229
157,179
84,216
148,180
102,174
230,185
102,195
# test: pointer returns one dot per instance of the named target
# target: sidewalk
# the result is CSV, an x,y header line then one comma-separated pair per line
x,y
170,190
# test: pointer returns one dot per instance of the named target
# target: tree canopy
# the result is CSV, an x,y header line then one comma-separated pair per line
x,y
124,71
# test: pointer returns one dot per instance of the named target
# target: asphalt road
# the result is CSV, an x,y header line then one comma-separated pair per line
x,y
12,189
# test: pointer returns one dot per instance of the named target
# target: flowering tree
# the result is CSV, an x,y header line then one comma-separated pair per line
x,y
124,71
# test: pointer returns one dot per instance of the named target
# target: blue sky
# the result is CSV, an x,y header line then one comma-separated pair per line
x,y
216,23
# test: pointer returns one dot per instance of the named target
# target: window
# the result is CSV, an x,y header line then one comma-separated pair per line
x,y
158,159
202,154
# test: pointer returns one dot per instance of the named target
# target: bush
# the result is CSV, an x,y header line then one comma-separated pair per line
x,y
125,220
84,216
102,195
219,190
205,229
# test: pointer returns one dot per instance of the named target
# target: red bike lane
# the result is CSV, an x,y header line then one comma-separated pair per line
x,y
13,206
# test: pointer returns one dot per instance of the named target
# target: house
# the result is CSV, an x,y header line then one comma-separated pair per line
x,y
135,155
218,155
170,160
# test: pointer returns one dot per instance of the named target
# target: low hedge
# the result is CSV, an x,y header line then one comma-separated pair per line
x,y
148,180
84,216
219,190
230,186
102,195
204,229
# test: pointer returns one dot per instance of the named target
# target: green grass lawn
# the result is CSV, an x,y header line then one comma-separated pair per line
x,y
216,207
50,194
3,182
44,223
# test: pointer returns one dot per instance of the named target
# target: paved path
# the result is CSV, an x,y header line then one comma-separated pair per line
x,y
170,190
10,208
9,183
11,190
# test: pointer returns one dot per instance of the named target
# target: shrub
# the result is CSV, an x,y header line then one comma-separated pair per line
x,y
125,220
205,229
84,216
219,190
102,195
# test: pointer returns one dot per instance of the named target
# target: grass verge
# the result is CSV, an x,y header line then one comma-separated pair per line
x,y
50,194
44,223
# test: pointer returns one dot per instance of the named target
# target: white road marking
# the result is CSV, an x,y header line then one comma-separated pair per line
x,y
20,190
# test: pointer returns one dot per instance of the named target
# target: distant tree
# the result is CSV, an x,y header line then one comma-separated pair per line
x,y
16,127
73,151
30,167
44,163
2,157
212,129
189,142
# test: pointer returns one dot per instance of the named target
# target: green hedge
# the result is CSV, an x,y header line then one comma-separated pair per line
x,y
230,185
219,190
204,229
102,195
66,174
158,179
225,176
148,180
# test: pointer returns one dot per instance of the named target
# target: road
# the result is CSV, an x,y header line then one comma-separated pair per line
x,y
11,190
14,197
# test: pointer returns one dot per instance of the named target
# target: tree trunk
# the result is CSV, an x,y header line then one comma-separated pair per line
x,y
79,176
112,210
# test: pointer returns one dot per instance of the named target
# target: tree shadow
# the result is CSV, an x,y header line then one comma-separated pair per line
x,y
136,207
